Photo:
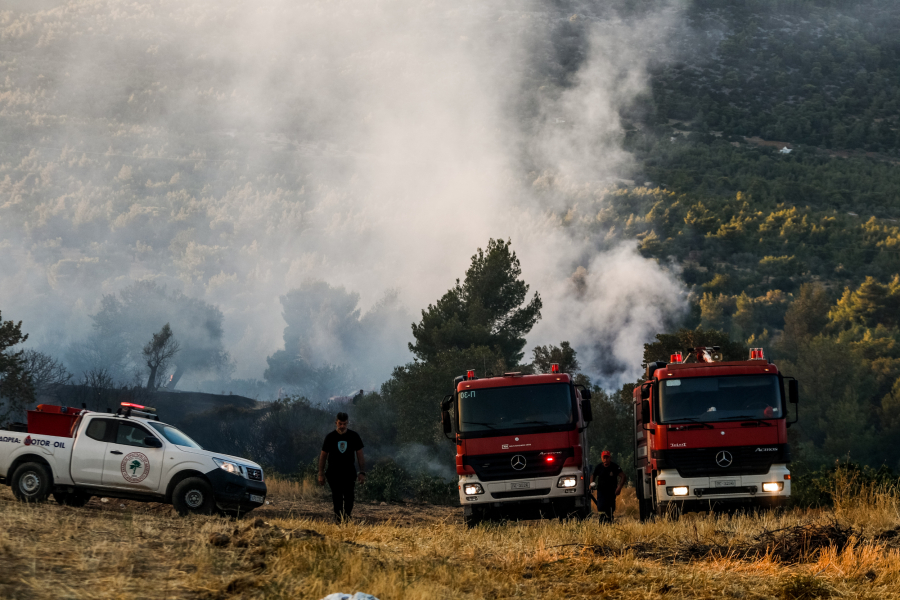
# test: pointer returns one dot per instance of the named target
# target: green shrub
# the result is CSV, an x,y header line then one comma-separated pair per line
x,y
825,487
389,482
434,490
386,482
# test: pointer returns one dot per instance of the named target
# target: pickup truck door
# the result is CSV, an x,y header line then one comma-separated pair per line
x,y
89,451
130,464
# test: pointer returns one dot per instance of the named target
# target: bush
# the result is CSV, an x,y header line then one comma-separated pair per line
x,y
386,482
834,486
389,482
432,489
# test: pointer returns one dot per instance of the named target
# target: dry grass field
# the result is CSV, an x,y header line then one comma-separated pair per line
x,y
289,549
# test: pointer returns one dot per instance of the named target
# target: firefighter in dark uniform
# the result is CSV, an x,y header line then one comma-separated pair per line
x,y
609,479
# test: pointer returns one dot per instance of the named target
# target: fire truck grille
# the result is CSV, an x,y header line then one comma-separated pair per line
x,y
509,465
520,493
711,462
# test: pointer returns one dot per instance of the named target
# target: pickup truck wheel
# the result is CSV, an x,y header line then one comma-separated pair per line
x,y
32,482
193,496
75,499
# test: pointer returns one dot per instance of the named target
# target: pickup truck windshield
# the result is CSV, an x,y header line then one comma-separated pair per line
x,y
726,398
175,436
516,407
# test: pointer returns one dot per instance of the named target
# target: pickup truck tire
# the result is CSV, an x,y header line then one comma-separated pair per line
x,y
32,482
75,499
193,496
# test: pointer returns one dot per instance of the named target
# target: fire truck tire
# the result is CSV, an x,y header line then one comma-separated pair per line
x,y
75,499
32,482
673,510
193,496
645,510
474,519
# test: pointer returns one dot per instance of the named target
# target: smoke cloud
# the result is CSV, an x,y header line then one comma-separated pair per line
x,y
235,151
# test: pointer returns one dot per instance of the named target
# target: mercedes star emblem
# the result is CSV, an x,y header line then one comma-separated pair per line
x,y
723,459
518,462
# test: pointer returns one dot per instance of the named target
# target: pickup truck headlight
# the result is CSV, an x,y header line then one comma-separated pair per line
x,y
567,481
471,489
231,467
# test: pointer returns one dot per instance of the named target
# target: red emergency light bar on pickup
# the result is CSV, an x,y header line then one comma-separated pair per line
x,y
130,409
712,434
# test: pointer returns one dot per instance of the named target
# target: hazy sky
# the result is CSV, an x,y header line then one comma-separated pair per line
x,y
233,150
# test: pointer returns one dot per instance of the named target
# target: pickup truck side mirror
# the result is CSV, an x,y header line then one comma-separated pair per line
x,y
586,412
152,442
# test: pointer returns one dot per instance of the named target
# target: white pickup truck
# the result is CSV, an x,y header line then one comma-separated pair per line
x,y
75,454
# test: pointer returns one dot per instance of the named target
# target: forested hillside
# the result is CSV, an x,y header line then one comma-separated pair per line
x,y
768,151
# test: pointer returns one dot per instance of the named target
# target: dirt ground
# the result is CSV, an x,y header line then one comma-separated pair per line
x,y
318,509
292,549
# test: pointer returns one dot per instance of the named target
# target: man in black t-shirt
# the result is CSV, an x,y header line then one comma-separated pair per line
x,y
609,480
338,449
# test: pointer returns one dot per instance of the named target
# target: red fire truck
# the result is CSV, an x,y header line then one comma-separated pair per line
x,y
712,435
521,446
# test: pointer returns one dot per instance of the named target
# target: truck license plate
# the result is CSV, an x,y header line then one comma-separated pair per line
x,y
520,486
729,483
255,498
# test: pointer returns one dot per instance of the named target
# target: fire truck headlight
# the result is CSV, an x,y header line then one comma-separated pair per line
x,y
227,465
472,489
677,491
773,487
569,481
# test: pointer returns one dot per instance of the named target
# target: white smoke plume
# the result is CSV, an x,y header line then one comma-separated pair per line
x,y
233,150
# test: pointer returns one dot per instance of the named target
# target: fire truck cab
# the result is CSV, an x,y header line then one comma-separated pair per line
x,y
712,435
521,446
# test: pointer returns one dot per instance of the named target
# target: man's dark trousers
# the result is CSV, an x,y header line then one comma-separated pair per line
x,y
342,489
606,505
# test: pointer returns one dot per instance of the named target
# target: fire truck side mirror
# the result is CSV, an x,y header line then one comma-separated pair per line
x,y
585,394
445,422
645,411
793,391
645,391
586,412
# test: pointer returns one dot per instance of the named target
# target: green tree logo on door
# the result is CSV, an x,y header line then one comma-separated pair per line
x,y
135,467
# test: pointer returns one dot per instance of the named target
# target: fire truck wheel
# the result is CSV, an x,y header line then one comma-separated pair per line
x,y
673,510
474,519
75,499
193,496
645,510
32,482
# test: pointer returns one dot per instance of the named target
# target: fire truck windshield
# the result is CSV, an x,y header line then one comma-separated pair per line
x,y
524,407
725,398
